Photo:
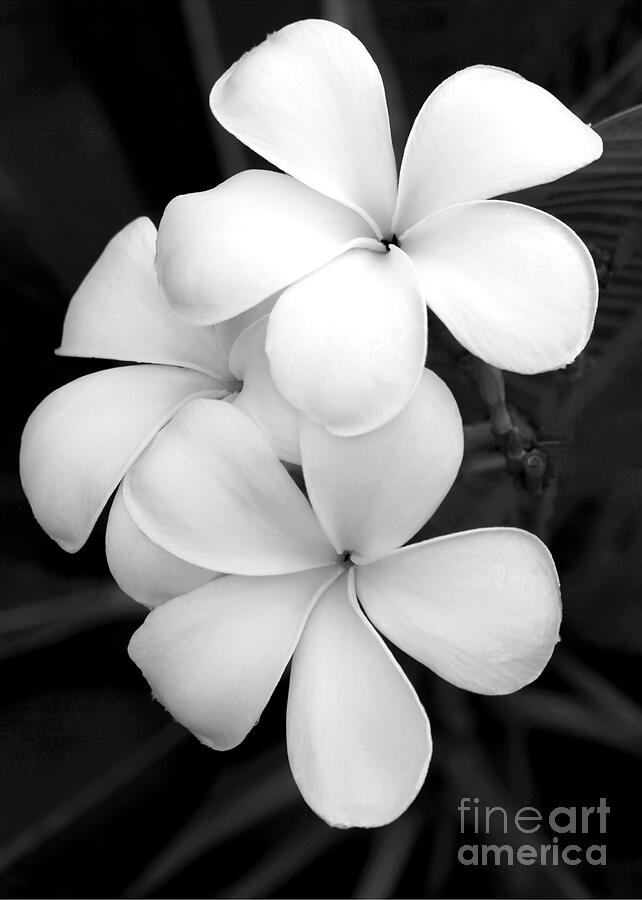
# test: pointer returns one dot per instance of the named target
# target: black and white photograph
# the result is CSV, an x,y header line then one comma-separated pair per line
x,y
321,486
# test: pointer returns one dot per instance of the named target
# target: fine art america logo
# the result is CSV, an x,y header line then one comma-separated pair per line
x,y
551,843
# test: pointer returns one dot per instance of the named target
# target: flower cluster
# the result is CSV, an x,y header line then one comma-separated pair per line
x,y
281,319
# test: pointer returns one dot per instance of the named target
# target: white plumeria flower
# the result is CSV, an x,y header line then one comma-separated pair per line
x,y
80,441
347,337
480,608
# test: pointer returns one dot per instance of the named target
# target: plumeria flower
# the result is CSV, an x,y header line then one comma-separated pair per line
x,y
356,252
307,581
80,441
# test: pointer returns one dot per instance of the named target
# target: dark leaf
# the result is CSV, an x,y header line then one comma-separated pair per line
x,y
603,204
389,853
251,795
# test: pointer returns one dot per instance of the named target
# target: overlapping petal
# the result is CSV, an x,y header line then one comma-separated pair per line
x,y
358,738
310,100
480,608
211,490
513,284
231,329
484,132
79,442
118,311
214,657
347,345
220,252
259,397
372,492
142,569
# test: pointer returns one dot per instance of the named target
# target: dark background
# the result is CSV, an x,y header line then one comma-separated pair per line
x,y
104,117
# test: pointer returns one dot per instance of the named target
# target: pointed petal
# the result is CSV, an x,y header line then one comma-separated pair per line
x,y
514,285
221,252
480,608
142,569
259,398
211,490
79,442
214,657
358,738
347,345
372,492
485,132
118,312
310,100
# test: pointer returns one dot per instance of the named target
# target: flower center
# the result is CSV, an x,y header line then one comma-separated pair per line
x,y
393,242
346,558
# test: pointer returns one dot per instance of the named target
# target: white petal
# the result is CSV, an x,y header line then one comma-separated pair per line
x,y
347,344
214,657
221,252
484,132
358,738
211,490
372,492
142,569
310,100
480,608
259,398
118,311
79,442
231,329
514,285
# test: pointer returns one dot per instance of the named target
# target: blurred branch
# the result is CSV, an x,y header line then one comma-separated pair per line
x,y
492,390
481,463
513,435
544,511
477,435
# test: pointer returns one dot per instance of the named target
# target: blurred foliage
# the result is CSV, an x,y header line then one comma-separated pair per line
x,y
104,117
